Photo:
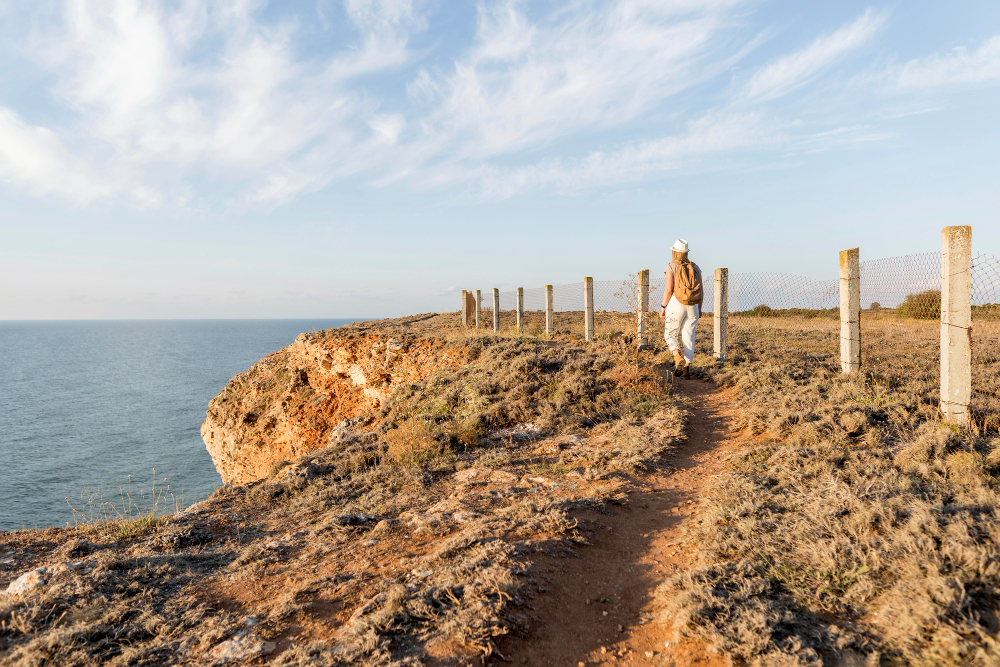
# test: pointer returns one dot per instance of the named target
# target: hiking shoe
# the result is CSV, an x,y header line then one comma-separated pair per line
x,y
687,371
680,363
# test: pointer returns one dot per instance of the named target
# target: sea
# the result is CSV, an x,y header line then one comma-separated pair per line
x,y
91,410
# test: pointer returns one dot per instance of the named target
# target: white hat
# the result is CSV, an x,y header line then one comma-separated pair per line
x,y
680,245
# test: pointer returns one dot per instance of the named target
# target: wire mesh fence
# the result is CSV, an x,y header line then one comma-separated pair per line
x,y
986,340
800,316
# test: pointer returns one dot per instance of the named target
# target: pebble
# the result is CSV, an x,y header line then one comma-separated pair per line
x,y
241,648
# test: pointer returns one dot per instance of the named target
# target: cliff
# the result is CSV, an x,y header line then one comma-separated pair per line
x,y
291,402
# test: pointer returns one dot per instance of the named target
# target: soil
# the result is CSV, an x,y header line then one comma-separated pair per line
x,y
598,609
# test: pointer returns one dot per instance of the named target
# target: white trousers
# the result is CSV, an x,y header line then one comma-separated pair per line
x,y
680,323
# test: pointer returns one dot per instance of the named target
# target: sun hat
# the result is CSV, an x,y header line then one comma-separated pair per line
x,y
680,245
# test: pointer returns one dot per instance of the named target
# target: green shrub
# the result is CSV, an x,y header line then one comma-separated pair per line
x,y
921,306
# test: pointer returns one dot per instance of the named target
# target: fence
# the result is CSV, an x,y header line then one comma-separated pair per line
x,y
876,315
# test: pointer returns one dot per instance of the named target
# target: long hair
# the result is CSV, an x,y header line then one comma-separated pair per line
x,y
678,256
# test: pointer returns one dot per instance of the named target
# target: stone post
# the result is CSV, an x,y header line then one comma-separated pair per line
x,y
465,309
588,309
721,315
549,310
520,310
496,310
956,324
479,309
850,311
642,306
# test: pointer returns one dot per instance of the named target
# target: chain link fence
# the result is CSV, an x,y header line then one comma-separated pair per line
x,y
800,316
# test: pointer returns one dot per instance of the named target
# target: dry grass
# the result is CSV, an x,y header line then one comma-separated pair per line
x,y
409,533
855,529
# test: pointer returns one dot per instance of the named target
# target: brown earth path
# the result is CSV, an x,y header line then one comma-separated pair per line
x,y
597,609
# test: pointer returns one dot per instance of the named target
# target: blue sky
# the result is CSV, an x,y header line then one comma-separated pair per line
x,y
364,158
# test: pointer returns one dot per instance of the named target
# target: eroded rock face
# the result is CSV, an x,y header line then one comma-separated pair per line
x,y
292,401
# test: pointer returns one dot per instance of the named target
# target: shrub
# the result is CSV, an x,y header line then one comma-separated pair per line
x,y
921,306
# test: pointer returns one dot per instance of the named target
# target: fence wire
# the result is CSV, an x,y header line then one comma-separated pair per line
x,y
986,340
800,317
901,321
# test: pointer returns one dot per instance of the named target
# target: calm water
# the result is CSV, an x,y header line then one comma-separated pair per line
x,y
85,404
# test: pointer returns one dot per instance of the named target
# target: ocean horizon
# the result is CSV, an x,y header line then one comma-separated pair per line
x,y
88,407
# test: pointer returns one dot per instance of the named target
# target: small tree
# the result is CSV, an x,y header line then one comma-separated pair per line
x,y
921,305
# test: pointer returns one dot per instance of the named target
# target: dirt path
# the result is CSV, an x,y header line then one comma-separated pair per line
x,y
594,610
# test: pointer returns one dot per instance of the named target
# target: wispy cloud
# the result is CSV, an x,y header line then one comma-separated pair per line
x,y
221,103
796,69
960,66
33,158
707,137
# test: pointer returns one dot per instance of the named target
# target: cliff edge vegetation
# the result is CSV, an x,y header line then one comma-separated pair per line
x,y
388,485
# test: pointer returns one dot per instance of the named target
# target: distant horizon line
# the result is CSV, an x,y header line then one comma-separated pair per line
x,y
188,319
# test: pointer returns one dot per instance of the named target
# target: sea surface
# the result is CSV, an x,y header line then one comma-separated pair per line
x,y
84,405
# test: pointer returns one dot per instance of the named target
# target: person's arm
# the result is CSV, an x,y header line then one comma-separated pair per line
x,y
668,291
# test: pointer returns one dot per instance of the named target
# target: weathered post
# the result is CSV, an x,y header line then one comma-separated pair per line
x,y
956,324
850,311
465,309
721,315
549,310
479,309
520,310
496,310
588,309
642,305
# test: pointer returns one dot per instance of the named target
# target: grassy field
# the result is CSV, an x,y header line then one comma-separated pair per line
x,y
856,528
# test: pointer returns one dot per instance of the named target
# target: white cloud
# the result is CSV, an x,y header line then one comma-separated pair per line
x,y
592,66
957,67
795,69
220,103
176,94
387,126
709,136
34,159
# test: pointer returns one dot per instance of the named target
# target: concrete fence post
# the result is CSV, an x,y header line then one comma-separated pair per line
x,y
549,310
850,311
588,309
520,310
642,306
479,309
956,324
496,310
465,309
720,317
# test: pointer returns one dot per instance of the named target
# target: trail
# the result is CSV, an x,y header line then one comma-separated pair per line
x,y
572,621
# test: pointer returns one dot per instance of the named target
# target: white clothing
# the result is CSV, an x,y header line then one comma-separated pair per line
x,y
680,322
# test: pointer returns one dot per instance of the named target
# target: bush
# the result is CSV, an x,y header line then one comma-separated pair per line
x,y
921,306
761,311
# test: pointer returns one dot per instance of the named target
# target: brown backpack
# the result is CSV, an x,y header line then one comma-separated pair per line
x,y
687,284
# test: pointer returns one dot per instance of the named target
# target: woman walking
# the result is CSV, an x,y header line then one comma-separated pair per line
x,y
683,295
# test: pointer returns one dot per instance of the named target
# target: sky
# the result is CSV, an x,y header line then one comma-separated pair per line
x,y
370,158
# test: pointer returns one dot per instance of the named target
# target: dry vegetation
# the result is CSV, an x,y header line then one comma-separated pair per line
x,y
405,539
855,529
